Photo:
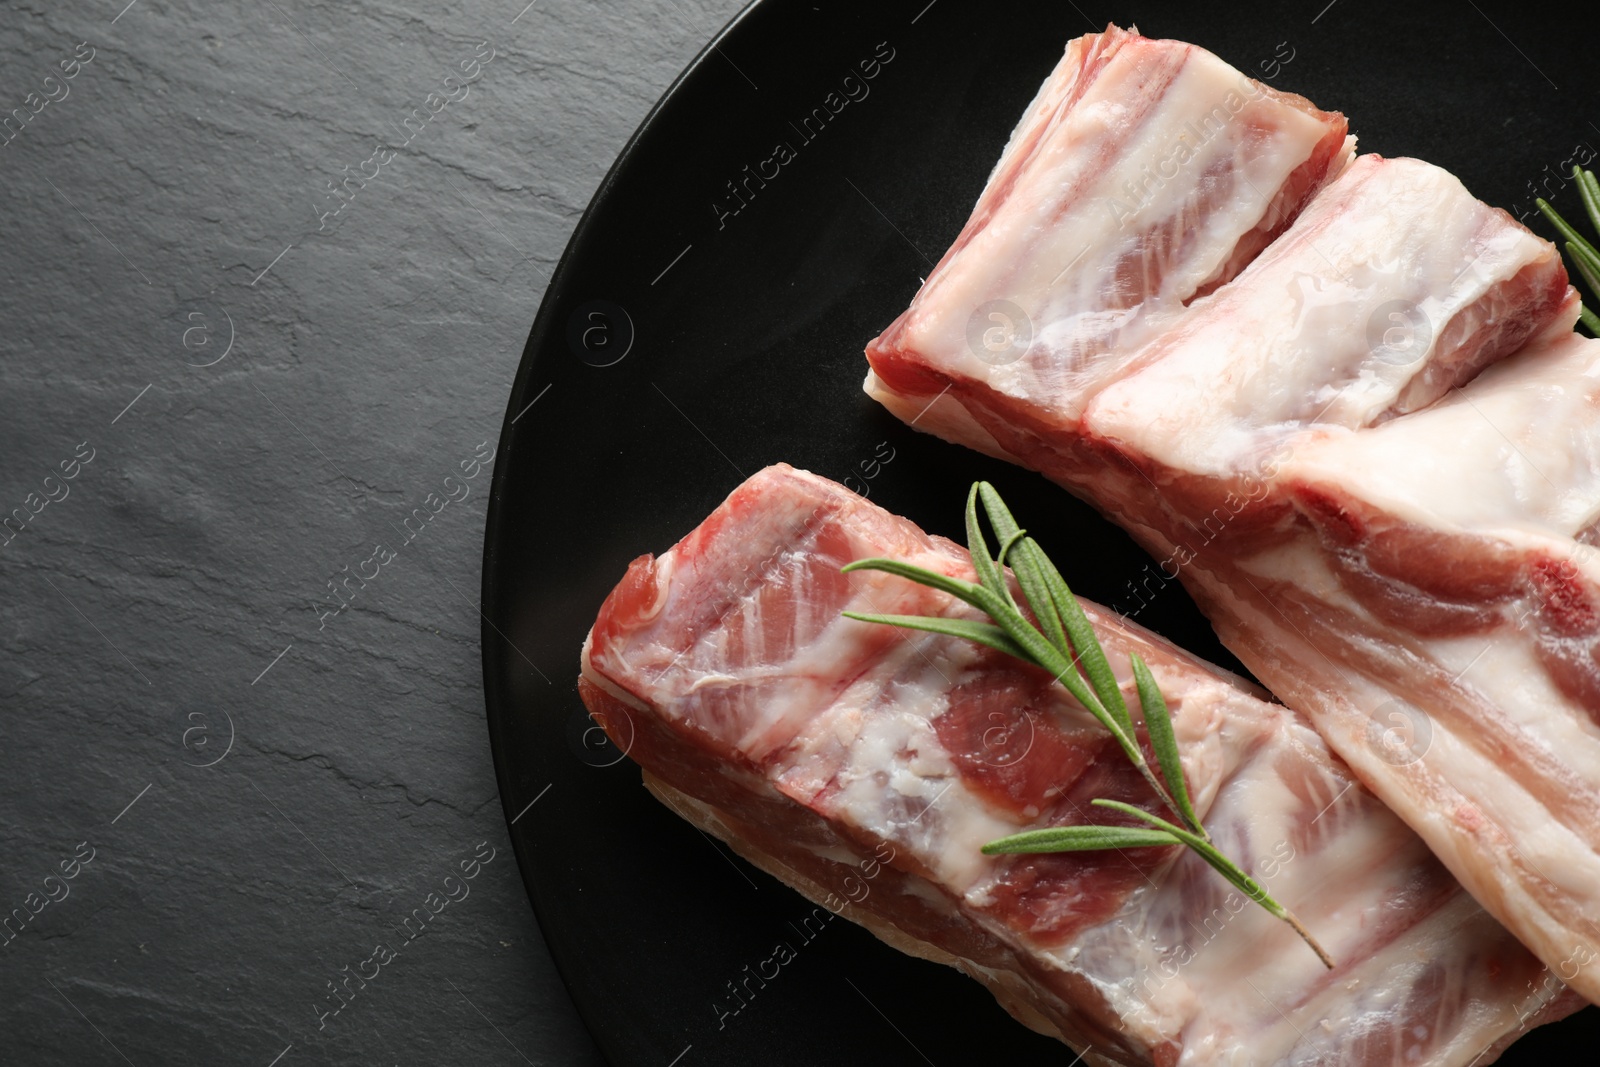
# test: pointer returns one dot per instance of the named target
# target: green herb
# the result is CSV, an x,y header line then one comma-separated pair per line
x,y
1063,642
1584,254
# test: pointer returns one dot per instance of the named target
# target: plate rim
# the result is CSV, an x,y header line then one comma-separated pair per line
x,y
492,641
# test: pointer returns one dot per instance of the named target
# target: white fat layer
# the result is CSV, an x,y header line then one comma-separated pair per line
x,y
941,415
1327,327
1499,666
1515,452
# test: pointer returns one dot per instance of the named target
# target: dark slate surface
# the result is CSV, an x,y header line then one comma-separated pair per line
x,y
166,602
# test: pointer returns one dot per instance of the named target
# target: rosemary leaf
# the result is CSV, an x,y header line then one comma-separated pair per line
x,y
1063,643
1225,867
1078,839
1584,249
1591,277
1042,653
1032,645
976,595
1589,192
1034,573
1585,257
1024,565
985,633
978,547
1158,721
1089,653
1007,544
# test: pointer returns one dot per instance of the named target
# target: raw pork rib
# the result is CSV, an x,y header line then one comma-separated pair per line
x,y
1396,566
1431,582
817,746
1143,173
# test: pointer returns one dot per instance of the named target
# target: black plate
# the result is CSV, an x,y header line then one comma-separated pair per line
x,y
682,346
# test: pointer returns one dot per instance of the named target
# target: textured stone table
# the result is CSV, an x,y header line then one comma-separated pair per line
x,y
226,385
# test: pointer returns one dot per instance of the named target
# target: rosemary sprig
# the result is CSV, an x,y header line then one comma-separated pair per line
x,y
1063,642
1584,254
1065,628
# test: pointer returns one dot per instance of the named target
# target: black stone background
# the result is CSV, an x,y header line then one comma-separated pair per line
x,y
266,398
173,589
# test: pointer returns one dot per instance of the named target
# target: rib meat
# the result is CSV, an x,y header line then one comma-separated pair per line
x,y
1144,172
819,747
1393,538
